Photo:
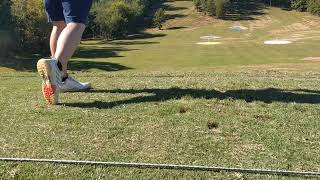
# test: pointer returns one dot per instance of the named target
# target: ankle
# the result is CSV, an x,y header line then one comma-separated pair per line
x,y
64,77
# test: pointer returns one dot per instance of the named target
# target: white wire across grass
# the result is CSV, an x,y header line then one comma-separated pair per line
x,y
277,42
167,166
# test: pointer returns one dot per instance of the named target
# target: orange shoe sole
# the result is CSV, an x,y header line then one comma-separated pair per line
x,y
50,88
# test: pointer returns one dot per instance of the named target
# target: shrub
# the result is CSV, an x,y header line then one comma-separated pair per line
x,y
112,18
159,18
31,25
314,7
197,4
300,5
116,18
210,7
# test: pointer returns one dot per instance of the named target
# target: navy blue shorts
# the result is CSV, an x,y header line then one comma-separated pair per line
x,y
68,10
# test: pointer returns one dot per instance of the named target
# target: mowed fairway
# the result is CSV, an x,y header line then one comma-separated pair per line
x,y
161,98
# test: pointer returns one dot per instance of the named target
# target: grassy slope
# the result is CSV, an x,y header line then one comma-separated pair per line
x,y
267,115
177,49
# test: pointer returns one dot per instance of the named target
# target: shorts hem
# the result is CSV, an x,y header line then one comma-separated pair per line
x,y
75,20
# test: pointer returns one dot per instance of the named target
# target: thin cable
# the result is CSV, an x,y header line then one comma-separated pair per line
x,y
166,166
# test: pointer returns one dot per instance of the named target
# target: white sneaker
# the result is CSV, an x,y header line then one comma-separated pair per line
x,y
51,79
72,85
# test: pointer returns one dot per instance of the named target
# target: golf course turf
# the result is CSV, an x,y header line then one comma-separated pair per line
x,y
158,97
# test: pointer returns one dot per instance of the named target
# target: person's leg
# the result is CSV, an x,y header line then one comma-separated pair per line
x,y
75,14
57,28
67,43
63,42
48,68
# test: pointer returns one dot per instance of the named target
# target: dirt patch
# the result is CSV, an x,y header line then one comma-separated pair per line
x,y
307,24
212,125
292,28
183,110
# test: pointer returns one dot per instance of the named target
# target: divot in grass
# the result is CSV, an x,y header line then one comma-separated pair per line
x,y
183,110
212,125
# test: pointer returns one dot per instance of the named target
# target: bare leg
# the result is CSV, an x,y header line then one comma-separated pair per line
x,y
67,43
58,27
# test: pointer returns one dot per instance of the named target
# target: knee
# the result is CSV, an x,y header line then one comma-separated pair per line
x,y
76,25
60,25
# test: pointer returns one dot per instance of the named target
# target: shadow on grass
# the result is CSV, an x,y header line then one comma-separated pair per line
x,y
21,63
94,52
245,10
177,0
28,63
249,95
172,8
144,36
127,43
105,66
148,20
174,16
176,28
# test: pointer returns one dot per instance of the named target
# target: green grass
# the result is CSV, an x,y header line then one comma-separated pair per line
x,y
135,117
264,99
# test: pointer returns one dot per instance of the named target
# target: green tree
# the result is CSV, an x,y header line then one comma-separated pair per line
x,y
314,7
159,18
221,8
197,4
217,8
5,15
300,5
210,7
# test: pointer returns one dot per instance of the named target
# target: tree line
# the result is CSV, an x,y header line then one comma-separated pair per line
x,y
312,6
220,8
24,25
216,8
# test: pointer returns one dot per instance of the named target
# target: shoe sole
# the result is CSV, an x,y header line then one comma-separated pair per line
x,y
50,81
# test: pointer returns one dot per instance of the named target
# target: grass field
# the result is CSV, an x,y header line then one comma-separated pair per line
x,y
155,94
